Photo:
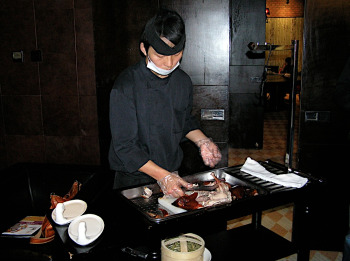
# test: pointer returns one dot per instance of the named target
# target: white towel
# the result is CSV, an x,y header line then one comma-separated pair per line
x,y
288,180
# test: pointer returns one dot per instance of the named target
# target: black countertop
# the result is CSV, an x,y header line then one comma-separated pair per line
x,y
126,229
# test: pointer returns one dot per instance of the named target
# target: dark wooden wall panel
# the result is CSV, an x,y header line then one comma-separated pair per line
x,y
48,107
324,143
206,60
247,25
246,127
212,97
326,49
245,79
246,112
206,55
117,29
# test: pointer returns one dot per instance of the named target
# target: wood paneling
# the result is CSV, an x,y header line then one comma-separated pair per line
x,y
281,31
326,49
206,54
245,79
323,145
212,97
206,60
246,68
47,107
246,121
247,25
117,29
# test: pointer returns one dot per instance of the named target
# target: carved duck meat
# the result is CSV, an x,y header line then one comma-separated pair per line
x,y
240,192
223,193
222,185
188,202
200,199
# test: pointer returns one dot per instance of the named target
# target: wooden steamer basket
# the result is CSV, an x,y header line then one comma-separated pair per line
x,y
189,247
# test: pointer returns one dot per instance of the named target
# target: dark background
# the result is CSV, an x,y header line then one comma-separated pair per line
x,y
54,103
56,110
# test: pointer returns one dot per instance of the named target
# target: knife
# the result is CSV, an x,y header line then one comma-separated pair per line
x,y
202,188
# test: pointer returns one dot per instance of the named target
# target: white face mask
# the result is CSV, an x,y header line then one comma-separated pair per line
x,y
153,67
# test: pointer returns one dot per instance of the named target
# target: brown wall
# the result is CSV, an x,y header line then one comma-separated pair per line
x,y
284,24
48,108
281,31
280,8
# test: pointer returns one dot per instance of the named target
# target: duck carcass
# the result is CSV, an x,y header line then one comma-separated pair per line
x,y
199,199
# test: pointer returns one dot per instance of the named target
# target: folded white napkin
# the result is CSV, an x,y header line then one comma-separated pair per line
x,y
288,180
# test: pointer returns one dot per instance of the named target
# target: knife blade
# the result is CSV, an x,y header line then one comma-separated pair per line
x,y
202,188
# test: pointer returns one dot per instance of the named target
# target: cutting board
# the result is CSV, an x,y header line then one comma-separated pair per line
x,y
166,202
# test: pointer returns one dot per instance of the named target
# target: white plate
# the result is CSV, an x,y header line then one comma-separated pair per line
x,y
94,228
72,209
206,255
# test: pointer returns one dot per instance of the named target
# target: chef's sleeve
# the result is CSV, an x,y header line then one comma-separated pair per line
x,y
124,131
191,123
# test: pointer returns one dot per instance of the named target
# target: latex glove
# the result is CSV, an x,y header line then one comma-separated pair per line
x,y
210,153
172,183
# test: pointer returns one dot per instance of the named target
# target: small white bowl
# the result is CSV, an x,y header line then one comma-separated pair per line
x,y
94,227
72,209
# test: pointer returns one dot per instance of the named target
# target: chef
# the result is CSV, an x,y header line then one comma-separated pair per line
x,y
150,112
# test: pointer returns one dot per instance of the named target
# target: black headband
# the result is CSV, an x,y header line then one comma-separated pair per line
x,y
158,44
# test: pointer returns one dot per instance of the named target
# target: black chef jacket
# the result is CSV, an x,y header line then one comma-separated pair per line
x,y
149,116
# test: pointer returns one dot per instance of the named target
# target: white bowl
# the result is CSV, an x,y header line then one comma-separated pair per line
x,y
72,209
94,228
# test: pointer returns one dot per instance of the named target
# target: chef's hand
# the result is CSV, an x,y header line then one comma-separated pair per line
x,y
172,183
210,153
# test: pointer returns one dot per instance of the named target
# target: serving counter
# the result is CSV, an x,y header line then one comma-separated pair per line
x,y
129,234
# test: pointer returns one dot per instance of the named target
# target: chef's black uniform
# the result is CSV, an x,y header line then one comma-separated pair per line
x,y
149,117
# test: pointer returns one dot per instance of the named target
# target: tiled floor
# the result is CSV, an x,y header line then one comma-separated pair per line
x,y
278,220
274,141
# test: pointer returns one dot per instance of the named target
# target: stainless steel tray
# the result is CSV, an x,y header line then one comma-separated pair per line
x,y
134,195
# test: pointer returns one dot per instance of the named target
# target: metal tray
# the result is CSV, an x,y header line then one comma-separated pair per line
x,y
273,167
134,195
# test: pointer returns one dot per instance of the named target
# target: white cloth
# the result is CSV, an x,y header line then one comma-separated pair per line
x,y
288,180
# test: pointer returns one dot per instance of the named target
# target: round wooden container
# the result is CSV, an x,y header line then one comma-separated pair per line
x,y
189,247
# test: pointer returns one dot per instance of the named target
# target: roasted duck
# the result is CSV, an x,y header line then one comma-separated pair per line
x,y
188,202
223,193
200,199
240,192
